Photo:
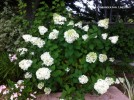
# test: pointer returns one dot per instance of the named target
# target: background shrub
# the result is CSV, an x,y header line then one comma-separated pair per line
x,y
124,49
10,29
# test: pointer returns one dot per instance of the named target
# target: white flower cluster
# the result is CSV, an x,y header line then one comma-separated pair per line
x,y
61,99
22,50
71,35
28,75
113,39
42,30
58,19
102,57
85,28
109,80
19,82
111,59
47,59
85,37
91,57
47,90
40,85
67,69
25,64
70,23
79,24
103,23
31,53
104,36
101,86
27,37
37,41
119,80
83,79
54,34
34,40
43,73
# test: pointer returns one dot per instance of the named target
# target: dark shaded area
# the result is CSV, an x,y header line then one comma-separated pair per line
x,y
8,70
114,10
114,14
12,3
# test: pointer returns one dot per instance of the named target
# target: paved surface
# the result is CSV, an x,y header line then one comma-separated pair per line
x,y
112,94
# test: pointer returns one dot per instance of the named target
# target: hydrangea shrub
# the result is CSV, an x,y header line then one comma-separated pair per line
x,y
67,56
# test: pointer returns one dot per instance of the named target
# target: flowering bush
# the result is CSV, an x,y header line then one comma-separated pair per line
x,y
10,28
17,91
118,51
68,57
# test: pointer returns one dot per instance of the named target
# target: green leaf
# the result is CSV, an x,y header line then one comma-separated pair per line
x,y
91,31
99,44
57,73
67,88
53,67
82,60
95,28
56,55
91,46
92,36
71,60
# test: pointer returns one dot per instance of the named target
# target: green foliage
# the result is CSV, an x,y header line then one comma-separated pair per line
x,y
124,49
22,6
10,29
72,94
59,6
8,70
